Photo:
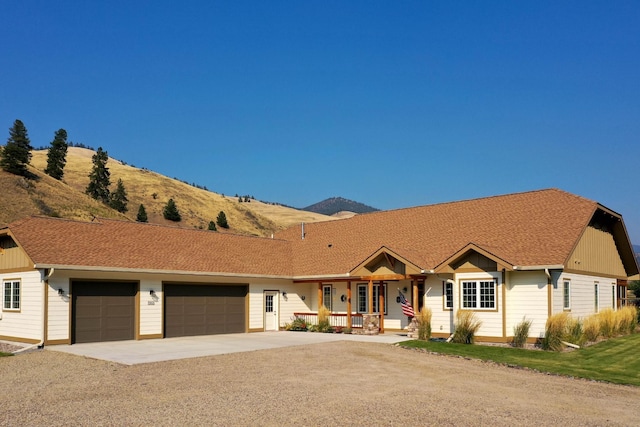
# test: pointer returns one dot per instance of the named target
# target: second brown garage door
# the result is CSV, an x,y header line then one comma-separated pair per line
x,y
204,309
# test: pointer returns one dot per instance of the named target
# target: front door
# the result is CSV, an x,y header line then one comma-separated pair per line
x,y
271,311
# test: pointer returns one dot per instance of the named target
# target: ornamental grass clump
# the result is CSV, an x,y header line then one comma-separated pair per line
x,y
628,319
323,320
555,330
424,323
466,327
591,328
521,333
608,323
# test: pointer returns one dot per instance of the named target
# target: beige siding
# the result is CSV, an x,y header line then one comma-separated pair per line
x,y
596,252
527,296
58,309
13,258
26,323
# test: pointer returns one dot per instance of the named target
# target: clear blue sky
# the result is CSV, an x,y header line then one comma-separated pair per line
x,y
392,104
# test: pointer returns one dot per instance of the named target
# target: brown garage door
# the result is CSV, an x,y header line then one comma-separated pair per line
x,y
204,309
103,311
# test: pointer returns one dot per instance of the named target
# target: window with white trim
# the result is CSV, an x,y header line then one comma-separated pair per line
x,y
326,296
566,295
447,292
596,296
479,294
363,298
11,299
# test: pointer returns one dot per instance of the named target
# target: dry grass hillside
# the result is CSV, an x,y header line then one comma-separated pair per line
x,y
46,196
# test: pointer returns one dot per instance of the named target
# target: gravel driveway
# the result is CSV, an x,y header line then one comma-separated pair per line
x,y
338,383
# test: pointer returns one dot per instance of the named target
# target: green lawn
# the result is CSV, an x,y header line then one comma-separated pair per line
x,y
615,360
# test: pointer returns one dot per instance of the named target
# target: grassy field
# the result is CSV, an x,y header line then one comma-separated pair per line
x,y
67,198
615,360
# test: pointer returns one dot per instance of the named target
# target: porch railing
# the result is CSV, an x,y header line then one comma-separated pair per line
x,y
335,319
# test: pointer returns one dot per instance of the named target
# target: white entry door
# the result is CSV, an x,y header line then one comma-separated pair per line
x,y
271,311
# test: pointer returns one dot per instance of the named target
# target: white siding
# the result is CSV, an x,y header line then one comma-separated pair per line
x,y
441,319
151,307
527,297
491,319
293,302
583,295
26,323
58,322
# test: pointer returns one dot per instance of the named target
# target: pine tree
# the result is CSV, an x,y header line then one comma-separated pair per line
x,y
170,211
17,153
57,155
142,214
119,198
99,181
212,226
222,220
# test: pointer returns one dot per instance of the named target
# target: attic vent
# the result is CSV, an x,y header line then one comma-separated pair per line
x,y
7,242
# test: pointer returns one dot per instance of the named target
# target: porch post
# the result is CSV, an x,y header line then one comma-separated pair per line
x,y
349,304
414,294
381,305
319,295
370,296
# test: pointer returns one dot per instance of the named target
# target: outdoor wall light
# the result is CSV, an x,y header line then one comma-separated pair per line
x,y
302,297
152,293
404,289
284,294
60,291
343,297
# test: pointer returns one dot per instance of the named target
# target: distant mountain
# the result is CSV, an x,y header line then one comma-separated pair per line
x,y
334,205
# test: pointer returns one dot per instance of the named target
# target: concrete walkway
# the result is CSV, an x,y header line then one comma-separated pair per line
x,y
158,350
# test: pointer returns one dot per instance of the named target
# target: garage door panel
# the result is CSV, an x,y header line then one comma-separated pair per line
x,y
103,311
204,309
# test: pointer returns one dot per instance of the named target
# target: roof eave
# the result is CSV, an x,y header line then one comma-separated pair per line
x,y
158,271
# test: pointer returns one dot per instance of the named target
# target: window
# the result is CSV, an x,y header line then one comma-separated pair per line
x,y
11,295
326,296
447,292
595,294
363,301
479,294
566,295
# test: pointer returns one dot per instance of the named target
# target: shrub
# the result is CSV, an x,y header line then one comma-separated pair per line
x,y
466,327
424,323
298,324
575,332
521,332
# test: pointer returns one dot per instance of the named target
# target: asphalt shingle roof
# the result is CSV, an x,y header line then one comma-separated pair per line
x,y
532,228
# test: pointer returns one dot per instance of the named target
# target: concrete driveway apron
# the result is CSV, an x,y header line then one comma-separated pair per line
x,y
158,350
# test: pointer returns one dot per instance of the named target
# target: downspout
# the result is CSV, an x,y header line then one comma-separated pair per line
x,y
42,313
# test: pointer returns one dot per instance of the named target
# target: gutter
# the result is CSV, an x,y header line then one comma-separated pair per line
x,y
156,271
538,267
42,313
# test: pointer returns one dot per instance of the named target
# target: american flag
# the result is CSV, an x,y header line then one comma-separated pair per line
x,y
407,310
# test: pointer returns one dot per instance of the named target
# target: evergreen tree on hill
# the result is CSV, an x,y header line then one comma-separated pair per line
x,y
222,220
212,226
57,155
142,214
99,180
17,153
119,198
170,211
